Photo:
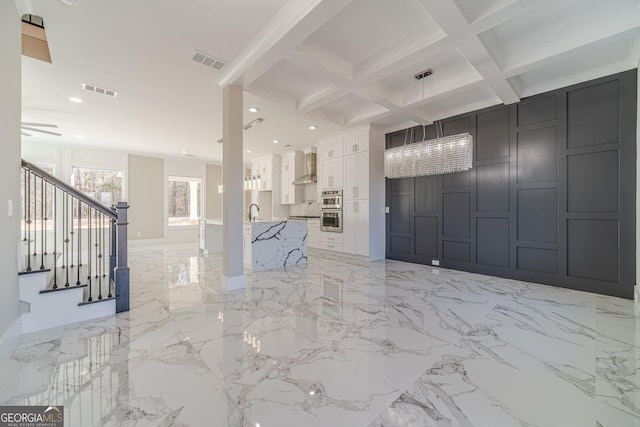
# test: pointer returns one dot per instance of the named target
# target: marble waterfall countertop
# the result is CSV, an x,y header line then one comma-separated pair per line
x,y
269,245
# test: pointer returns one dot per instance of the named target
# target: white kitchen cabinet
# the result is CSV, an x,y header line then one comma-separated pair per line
x,y
264,167
356,176
332,148
313,233
355,220
332,241
356,142
332,173
288,191
291,167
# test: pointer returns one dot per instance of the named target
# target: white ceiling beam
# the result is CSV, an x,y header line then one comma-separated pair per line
x,y
566,50
449,17
408,52
287,104
322,98
296,21
503,15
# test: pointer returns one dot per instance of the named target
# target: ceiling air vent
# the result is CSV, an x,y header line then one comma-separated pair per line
x,y
208,60
98,89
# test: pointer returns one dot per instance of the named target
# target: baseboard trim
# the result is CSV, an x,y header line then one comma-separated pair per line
x,y
146,242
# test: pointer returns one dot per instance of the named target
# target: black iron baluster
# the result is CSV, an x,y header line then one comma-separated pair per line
x,y
89,255
97,240
99,252
34,209
24,209
55,237
112,257
66,237
27,205
104,245
79,239
72,232
45,216
42,249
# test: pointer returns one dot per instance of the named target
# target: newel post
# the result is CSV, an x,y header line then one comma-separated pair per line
x,y
121,270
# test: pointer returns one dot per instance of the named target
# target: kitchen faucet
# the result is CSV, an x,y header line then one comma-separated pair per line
x,y
257,207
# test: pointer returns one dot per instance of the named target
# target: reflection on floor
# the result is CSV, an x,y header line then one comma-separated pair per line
x,y
336,343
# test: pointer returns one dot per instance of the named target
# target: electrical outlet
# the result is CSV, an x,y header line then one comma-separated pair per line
x,y
386,209
435,262
139,234
9,207
435,271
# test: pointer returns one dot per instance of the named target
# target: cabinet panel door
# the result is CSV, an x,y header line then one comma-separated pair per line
x,y
326,167
349,226
362,191
362,227
350,176
284,189
362,141
338,172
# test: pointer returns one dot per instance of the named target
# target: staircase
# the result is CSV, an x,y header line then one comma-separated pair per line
x,y
74,254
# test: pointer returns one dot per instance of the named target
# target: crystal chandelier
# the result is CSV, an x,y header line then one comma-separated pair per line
x,y
444,154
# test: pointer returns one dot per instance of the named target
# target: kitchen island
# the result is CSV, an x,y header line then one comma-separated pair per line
x,y
269,245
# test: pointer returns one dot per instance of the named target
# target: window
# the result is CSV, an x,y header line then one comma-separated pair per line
x,y
102,185
184,201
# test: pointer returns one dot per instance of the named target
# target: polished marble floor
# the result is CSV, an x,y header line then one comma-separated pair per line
x,y
336,343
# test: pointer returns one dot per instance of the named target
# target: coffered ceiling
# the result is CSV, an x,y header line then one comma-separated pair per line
x,y
333,63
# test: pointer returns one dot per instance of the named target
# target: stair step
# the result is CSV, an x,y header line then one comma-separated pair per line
x,y
96,301
62,288
35,270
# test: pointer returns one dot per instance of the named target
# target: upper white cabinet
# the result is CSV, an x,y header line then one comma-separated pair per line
x,y
264,167
356,176
291,167
332,148
356,142
331,174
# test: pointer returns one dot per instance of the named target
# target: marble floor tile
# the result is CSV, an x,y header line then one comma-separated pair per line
x,y
336,342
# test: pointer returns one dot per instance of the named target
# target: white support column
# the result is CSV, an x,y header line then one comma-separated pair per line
x,y
232,178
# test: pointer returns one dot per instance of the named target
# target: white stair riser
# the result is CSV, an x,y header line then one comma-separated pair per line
x,y
53,309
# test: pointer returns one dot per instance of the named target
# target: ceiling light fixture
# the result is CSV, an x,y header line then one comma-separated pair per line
x,y
313,127
80,136
77,100
275,141
254,109
444,154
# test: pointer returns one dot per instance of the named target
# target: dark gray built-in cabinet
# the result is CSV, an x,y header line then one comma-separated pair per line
x,y
550,199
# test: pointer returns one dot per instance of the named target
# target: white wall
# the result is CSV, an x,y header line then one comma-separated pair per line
x,y
10,109
638,183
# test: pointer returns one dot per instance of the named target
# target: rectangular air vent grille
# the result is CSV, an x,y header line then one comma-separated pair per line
x,y
98,89
208,60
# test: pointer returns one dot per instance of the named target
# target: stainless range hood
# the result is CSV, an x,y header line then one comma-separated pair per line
x,y
309,176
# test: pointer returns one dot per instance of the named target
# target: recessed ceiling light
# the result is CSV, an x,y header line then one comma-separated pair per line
x,y
254,109
275,141
313,127
78,100
248,151
80,136
287,146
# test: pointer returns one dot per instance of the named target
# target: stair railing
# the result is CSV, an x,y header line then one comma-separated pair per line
x,y
72,234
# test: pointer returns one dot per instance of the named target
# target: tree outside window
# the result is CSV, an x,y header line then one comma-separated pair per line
x,y
184,200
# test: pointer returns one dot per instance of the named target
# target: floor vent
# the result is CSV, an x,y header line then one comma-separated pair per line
x,y
98,89
208,60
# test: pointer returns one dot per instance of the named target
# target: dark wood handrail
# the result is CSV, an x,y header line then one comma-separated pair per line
x,y
110,212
